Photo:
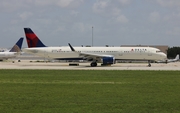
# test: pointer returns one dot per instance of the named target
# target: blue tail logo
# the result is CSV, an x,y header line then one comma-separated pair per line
x,y
17,46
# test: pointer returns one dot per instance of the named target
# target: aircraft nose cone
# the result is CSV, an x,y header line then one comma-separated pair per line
x,y
164,56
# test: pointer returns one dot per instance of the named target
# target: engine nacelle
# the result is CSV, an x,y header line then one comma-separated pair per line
x,y
108,60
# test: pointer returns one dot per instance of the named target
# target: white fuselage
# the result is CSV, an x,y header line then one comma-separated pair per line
x,y
126,53
6,55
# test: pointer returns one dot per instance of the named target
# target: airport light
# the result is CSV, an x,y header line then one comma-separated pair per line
x,y
92,36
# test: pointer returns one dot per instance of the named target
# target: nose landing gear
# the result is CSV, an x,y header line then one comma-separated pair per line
x,y
149,63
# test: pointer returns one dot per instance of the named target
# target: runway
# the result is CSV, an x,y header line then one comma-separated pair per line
x,y
26,64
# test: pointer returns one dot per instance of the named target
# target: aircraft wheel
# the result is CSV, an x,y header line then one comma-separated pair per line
x,y
93,64
166,61
149,63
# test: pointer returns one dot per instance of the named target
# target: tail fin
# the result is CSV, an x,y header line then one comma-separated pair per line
x,y
177,57
17,46
32,39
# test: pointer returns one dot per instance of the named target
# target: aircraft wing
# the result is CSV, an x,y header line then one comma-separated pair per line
x,y
89,55
93,55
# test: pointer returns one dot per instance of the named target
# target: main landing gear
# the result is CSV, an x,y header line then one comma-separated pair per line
x,y
149,63
93,64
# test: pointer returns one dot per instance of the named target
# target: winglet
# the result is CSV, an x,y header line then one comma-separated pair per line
x,y
17,46
72,49
177,57
32,39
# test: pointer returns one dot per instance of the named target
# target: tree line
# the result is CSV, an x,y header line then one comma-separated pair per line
x,y
173,51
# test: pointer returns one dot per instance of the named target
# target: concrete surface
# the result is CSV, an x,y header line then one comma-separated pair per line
x,y
26,64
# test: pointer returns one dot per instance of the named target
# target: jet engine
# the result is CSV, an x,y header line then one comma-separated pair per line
x,y
108,60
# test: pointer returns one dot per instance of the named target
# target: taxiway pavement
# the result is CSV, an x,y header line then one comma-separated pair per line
x,y
25,64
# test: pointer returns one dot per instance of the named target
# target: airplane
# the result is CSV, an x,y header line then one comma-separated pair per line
x,y
13,52
104,55
169,60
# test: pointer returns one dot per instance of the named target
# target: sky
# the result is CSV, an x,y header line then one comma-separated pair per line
x,y
114,22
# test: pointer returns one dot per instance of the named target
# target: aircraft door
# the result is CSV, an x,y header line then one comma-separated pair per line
x,y
46,54
149,53
120,53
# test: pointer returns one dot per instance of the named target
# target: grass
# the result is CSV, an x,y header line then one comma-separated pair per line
x,y
89,91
